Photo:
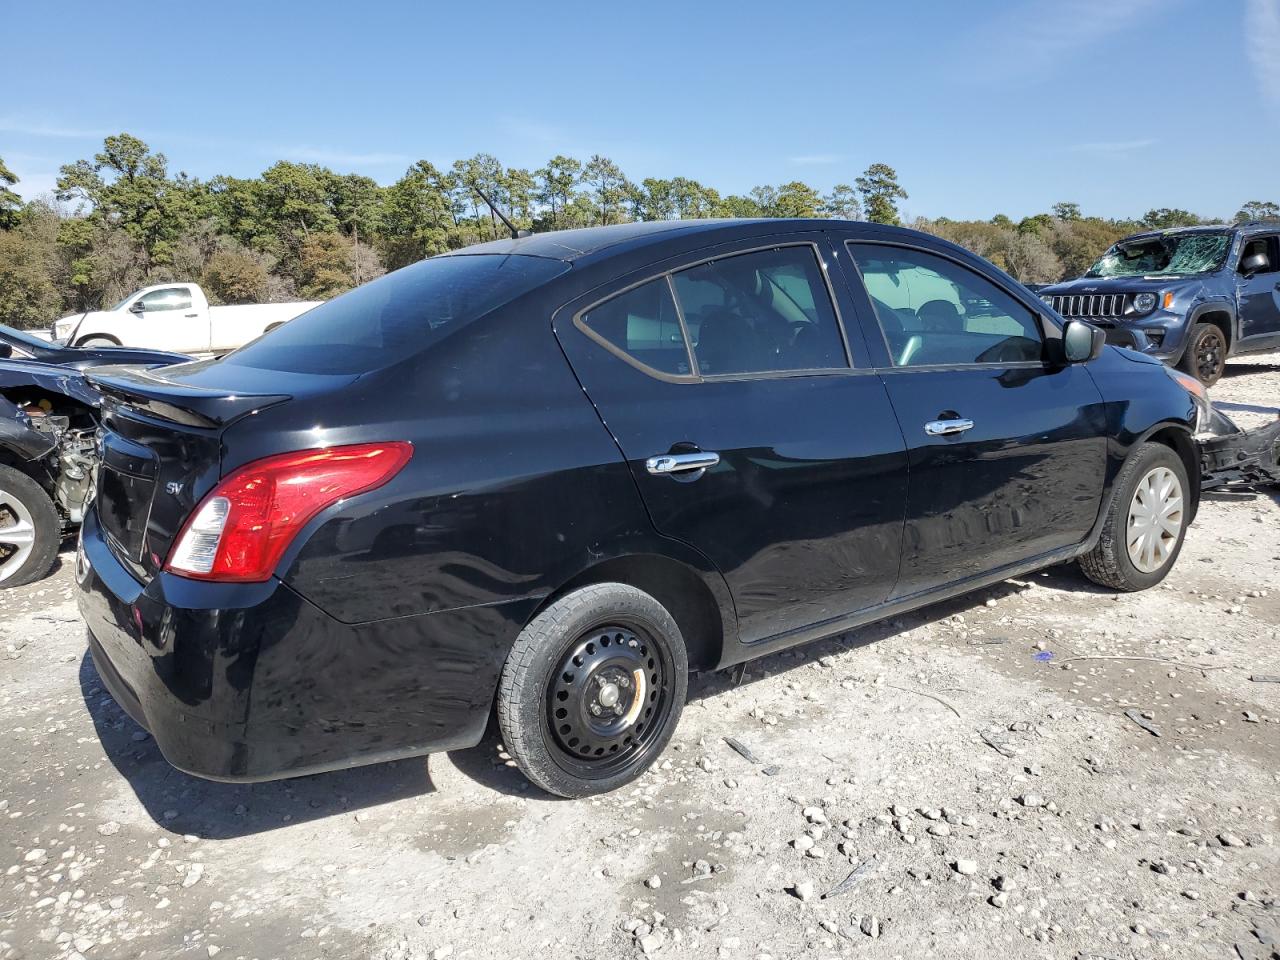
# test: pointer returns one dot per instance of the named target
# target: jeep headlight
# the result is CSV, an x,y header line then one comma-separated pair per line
x,y
1144,302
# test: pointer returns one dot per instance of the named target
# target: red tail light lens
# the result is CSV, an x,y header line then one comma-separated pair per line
x,y
243,527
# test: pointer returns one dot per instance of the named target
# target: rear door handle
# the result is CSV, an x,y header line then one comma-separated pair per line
x,y
191,314
670,463
941,428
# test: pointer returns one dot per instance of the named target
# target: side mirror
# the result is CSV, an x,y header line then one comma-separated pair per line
x,y
1255,263
137,307
6,350
1082,342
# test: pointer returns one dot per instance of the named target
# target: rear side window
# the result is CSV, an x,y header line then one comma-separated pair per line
x,y
933,311
643,324
396,316
760,312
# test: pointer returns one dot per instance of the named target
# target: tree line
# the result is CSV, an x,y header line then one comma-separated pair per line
x,y
120,220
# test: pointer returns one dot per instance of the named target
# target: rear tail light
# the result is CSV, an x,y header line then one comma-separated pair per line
x,y
243,527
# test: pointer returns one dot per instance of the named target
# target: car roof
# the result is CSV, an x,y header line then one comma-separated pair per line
x,y
589,243
1244,229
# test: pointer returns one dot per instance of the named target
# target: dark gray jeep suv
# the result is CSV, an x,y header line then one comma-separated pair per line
x,y
1191,297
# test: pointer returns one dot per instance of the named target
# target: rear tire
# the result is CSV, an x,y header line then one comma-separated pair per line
x,y
1137,548
592,690
1206,355
30,531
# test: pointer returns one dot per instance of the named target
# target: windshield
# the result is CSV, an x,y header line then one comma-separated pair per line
x,y
396,316
1163,256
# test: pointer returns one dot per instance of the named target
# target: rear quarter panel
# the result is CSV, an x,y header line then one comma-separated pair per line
x,y
514,488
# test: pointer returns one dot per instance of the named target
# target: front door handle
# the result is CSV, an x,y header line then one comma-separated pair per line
x,y
680,463
941,428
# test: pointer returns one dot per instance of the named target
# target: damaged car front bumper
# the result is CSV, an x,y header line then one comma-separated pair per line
x,y
1229,455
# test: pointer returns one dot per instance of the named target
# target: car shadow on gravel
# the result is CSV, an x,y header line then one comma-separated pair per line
x,y
184,804
187,804
1230,371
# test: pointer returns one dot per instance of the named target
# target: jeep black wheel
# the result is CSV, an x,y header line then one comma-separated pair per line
x,y
1206,355
592,690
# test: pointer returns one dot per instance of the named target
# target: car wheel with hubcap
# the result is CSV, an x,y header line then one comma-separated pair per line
x,y
1145,524
29,529
592,690
1206,355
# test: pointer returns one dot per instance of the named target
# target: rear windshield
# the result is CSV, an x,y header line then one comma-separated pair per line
x,y
397,315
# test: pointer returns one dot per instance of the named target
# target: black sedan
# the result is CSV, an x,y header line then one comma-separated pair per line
x,y
549,476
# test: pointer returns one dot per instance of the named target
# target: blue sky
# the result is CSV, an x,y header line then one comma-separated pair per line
x,y
982,107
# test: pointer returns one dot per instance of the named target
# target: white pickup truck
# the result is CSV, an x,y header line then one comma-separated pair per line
x,y
177,317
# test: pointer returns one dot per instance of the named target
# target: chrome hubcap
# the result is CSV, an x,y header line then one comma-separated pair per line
x,y
1155,520
17,535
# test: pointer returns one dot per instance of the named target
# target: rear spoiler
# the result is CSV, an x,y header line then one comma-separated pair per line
x,y
169,399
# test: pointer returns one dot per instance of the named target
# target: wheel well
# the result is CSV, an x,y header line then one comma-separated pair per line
x,y
97,336
1220,319
1182,444
674,585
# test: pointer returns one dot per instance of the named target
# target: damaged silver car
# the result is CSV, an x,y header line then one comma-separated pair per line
x,y
48,418
48,421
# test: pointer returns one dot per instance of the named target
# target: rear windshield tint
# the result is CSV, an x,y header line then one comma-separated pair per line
x,y
397,315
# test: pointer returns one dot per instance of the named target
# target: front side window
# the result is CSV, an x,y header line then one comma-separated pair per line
x,y
760,312
642,323
1264,246
171,298
933,311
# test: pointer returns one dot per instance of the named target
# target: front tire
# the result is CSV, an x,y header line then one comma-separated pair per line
x,y
592,690
1206,355
30,531
1145,524
98,341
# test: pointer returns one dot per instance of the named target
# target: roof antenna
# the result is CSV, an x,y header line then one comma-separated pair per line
x,y
515,233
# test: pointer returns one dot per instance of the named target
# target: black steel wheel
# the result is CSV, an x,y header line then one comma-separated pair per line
x,y
1206,355
593,689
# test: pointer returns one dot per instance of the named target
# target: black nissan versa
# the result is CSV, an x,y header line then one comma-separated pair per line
x,y
551,475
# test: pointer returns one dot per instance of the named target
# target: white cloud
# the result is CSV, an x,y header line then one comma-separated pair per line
x,y
1042,35
337,158
1112,146
1262,43
816,159
41,129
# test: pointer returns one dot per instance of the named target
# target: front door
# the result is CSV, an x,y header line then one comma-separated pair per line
x,y
1007,453
751,431
166,319
1258,290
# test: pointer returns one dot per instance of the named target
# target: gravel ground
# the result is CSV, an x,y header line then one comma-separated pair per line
x,y
1042,769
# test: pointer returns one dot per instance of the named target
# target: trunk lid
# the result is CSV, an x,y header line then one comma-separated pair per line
x,y
162,444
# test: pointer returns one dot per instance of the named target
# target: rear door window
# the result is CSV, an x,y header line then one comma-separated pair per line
x,y
952,315
761,312
398,315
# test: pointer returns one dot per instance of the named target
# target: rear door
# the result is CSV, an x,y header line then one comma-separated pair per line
x,y
1259,292
1007,453
754,431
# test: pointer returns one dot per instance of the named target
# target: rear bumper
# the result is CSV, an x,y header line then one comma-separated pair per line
x,y
253,682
